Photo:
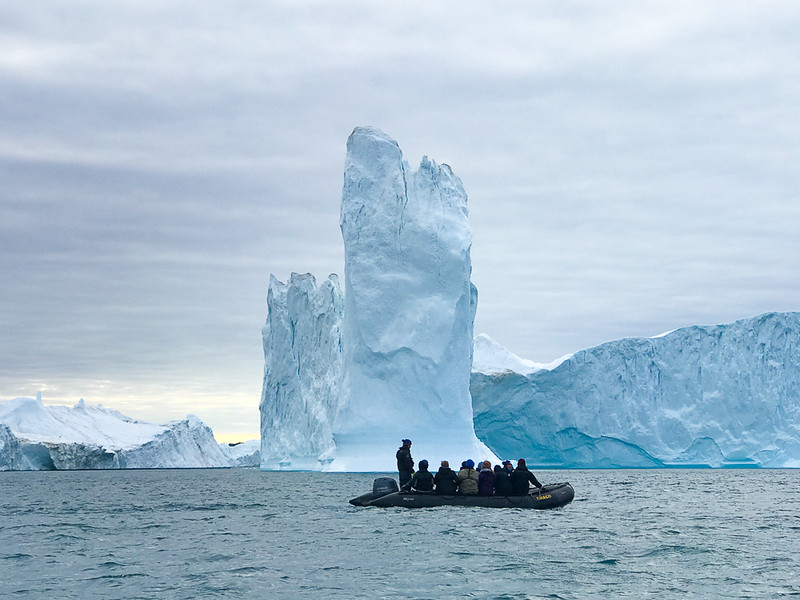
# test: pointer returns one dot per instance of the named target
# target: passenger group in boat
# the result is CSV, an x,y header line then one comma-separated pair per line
x,y
502,480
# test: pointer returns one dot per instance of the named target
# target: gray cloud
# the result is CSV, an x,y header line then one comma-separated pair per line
x,y
631,168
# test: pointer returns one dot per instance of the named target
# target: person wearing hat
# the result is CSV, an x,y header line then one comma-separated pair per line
x,y
486,479
520,479
422,481
405,464
502,483
446,480
468,479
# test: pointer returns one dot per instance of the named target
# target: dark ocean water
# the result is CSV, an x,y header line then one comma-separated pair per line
x,y
242,533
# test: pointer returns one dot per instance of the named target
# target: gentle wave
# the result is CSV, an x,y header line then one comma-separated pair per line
x,y
244,533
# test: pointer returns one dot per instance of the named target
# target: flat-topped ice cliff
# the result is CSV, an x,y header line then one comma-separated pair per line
x,y
38,437
722,395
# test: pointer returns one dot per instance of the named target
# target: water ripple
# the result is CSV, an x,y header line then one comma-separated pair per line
x,y
244,533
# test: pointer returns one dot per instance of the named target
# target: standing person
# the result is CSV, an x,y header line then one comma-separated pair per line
x,y
468,479
446,480
502,483
422,481
405,464
520,479
486,479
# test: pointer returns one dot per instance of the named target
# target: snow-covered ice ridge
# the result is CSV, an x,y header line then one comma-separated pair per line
x,y
722,395
347,376
38,437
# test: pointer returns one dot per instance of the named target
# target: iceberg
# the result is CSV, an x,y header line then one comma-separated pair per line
x,y
347,376
243,454
349,373
490,358
716,396
409,307
301,391
38,437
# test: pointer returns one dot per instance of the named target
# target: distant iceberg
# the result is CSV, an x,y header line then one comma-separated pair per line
x,y
716,396
490,358
243,454
38,437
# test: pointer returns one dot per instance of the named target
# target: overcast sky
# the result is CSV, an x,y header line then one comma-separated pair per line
x,y
632,167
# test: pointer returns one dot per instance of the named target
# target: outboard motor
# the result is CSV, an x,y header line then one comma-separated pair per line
x,y
380,487
384,485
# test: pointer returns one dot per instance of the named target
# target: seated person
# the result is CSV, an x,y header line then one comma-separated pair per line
x,y
520,479
502,483
422,480
486,479
446,480
468,479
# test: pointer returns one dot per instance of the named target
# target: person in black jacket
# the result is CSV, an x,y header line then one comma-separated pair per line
x,y
405,464
502,483
422,481
446,480
520,479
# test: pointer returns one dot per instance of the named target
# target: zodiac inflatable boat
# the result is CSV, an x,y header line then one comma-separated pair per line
x,y
385,493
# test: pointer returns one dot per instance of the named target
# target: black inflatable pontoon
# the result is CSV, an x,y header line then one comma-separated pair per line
x,y
385,493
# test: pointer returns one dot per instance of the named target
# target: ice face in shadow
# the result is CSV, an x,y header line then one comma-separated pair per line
x,y
38,437
301,392
725,395
343,384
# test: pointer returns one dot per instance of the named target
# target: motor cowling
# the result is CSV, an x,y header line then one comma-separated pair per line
x,y
384,485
